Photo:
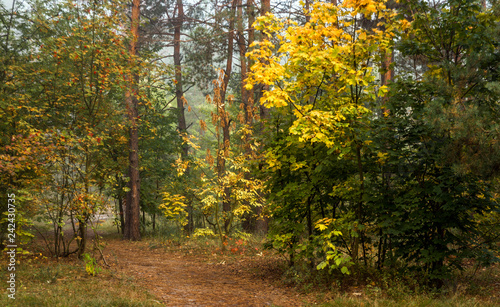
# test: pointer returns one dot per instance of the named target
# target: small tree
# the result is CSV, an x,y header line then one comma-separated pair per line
x,y
324,70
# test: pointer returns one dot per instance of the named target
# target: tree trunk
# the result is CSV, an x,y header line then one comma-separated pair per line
x,y
122,214
179,95
261,224
386,76
132,216
225,122
247,107
265,8
242,48
359,207
307,6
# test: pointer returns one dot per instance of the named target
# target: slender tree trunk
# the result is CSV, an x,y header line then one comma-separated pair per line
x,y
225,121
83,218
156,197
386,76
226,203
307,5
251,31
359,207
265,8
122,214
179,95
261,224
132,216
246,106
242,48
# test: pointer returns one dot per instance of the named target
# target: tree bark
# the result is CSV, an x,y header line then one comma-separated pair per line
x,y
179,95
225,121
261,224
359,207
242,48
179,92
248,222
132,216
122,215
386,76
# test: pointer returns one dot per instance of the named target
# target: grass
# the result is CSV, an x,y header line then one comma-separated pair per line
x,y
413,301
42,281
66,283
469,288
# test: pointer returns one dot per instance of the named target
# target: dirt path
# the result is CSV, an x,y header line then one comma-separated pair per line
x,y
180,280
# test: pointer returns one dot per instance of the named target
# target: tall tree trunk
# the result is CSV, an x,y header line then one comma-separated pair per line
x,y
246,106
225,121
307,6
122,215
386,76
179,95
266,7
242,48
359,207
261,224
132,216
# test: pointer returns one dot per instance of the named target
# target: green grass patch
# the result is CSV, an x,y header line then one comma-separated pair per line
x,y
66,283
411,301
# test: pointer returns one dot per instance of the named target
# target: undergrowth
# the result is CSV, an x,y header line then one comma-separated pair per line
x,y
46,282
364,286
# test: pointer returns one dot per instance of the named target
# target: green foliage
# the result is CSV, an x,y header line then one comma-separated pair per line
x,y
300,176
333,258
91,266
323,80
403,174
173,207
203,232
159,145
427,207
354,171
433,195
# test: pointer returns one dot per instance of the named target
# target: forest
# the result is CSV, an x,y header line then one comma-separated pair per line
x,y
350,146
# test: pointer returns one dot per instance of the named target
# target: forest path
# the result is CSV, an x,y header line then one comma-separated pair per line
x,y
184,280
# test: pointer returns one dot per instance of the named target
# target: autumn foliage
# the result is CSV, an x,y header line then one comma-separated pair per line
x,y
355,135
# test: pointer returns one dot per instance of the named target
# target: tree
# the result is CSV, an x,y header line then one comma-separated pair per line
x,y
75,75
327,77
132,216
441,117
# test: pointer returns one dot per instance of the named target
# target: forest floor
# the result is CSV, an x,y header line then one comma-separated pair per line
x,y
181,278
194,275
